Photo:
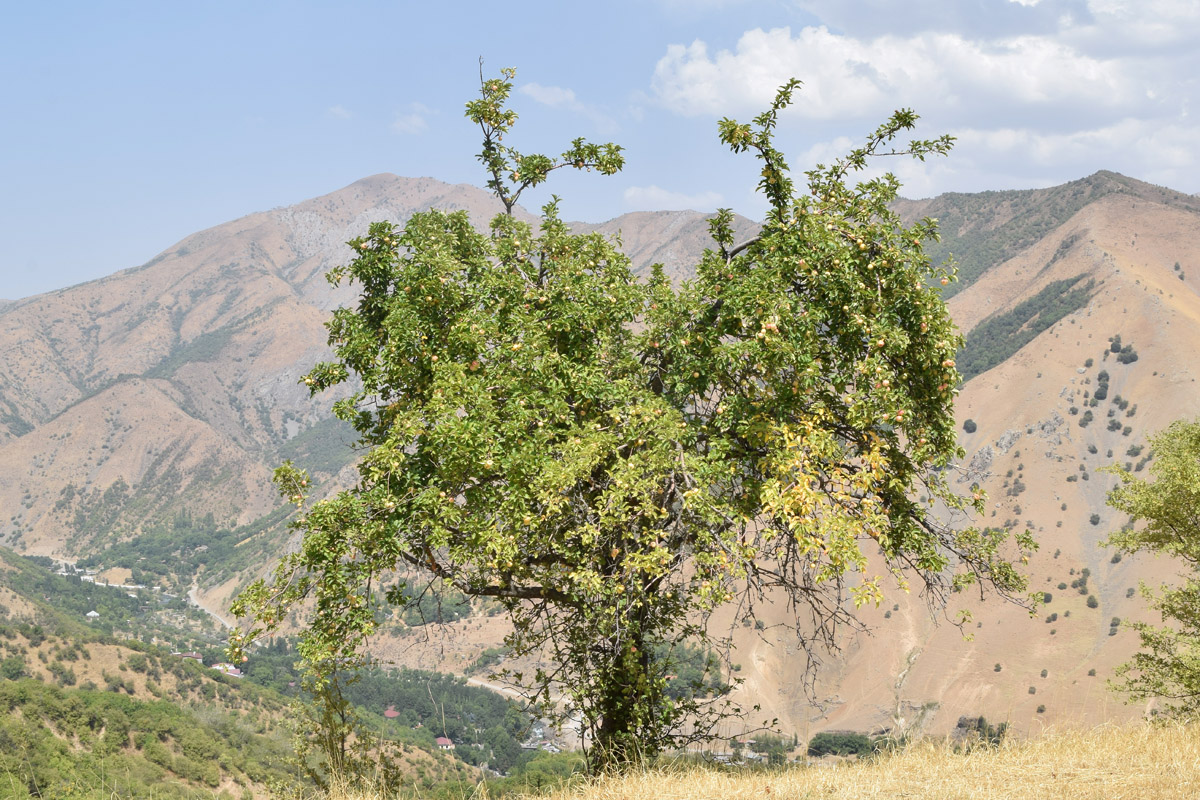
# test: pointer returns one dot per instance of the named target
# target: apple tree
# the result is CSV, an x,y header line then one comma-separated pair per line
x,y
1168,508
612,458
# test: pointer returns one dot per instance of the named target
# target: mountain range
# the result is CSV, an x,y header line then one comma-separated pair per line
x,y
154,403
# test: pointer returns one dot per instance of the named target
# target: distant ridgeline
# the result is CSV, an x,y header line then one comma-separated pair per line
x,y
985,229
1000,336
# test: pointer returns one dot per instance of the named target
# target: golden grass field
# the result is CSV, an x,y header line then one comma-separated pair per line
x,y
1140,762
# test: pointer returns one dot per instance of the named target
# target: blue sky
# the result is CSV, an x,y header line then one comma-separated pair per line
x,y
126,126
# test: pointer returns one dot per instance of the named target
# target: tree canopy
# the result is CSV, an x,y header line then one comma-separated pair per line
x,y
1168,665
614,458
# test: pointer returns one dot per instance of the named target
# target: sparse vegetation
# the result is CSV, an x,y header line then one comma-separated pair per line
x,y
1000,336
1166,666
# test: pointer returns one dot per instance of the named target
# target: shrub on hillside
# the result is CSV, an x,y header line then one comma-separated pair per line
x,y
839,743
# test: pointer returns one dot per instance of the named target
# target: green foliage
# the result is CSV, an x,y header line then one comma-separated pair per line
x,y
977,731
998,337
1127,355
613,459
840,743
1168,665
969,426
775,748
324,447
172,554
1092,602
427,604
83,743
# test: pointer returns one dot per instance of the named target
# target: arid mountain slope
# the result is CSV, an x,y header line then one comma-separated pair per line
x,y
174,385
1040,469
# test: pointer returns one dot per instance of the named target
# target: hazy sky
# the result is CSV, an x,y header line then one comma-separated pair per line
x,y
126,126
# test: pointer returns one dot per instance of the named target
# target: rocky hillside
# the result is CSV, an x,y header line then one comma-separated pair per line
x,y
155,402
170,391
1093,322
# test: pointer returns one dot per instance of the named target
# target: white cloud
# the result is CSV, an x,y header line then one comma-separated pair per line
x,y
654,198
412,121
338,112
847,77
558,97
1121,25
1038,91
1142,146
550,95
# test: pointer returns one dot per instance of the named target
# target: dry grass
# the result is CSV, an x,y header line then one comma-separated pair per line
x,y
1108,763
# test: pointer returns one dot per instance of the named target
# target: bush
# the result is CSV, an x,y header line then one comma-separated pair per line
x,y
1094,519
1091,673
1045,673
969,426
1092,602
997,668
1041,709
1047,597
984,732
1033,690
840,744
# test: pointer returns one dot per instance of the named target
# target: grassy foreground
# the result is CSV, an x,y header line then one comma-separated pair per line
x,y
1108,763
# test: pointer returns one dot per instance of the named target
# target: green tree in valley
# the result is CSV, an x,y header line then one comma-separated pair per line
x,y
612,459
1168,665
